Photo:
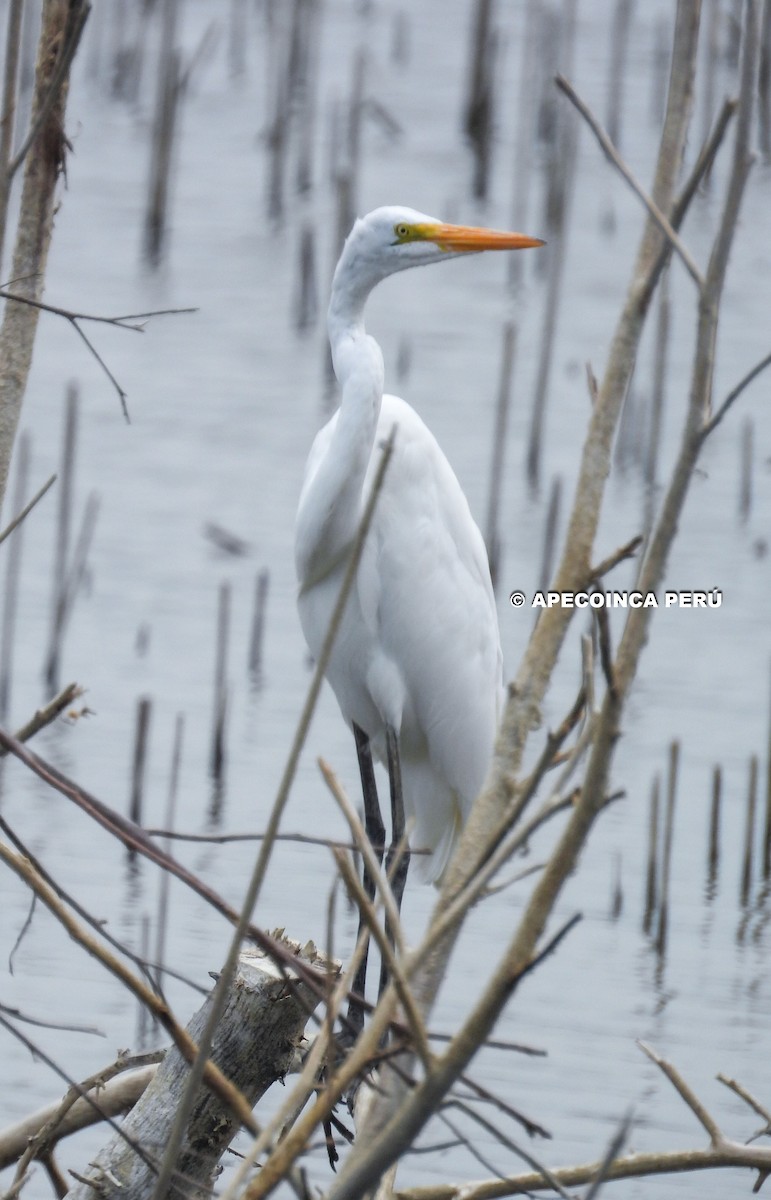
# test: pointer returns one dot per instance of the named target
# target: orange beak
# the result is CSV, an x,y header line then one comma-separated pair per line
x,y
472,239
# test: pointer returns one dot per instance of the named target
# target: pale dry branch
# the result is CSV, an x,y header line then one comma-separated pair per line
x,y
613,156
46,715
548,1177
631,1166
43,164
607,564
362,902
532,1128
686,1093
17,520
751,1100
74,26
363,847
734,395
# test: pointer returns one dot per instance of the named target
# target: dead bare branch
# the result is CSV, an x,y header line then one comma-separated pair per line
x,y
615,158
17,520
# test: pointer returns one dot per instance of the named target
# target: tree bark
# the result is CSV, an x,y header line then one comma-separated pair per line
x,y
62,22
255,1044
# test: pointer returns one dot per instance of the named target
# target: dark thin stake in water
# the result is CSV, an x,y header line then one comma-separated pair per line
x,y
745,478
258,627
170,86
480,97
63,533
217,755
651,874
141,739
549,552
666,861
306,296
749,833
713,852
619,39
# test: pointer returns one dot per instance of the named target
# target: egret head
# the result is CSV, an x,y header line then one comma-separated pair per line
x,y
393,238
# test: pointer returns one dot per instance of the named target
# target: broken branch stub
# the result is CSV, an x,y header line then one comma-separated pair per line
x,y
255,1044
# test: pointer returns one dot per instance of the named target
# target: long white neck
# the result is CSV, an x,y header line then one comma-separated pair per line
x,y
331,501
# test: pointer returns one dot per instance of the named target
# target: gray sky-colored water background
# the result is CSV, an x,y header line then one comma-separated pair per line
x,y
224,403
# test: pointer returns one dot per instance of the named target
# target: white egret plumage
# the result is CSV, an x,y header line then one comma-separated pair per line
x,y
418,651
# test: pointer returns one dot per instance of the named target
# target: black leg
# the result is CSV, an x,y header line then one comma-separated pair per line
x,y
399,877
373,824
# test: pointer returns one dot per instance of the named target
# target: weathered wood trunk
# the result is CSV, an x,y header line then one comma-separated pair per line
x,y
255,1044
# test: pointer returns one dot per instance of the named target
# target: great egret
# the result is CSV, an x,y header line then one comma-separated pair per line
x,y
416,665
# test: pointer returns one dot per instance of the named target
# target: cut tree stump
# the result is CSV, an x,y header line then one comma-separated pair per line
x,y
256,1042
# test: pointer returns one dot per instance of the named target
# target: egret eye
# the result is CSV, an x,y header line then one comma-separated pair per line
x,y
402,232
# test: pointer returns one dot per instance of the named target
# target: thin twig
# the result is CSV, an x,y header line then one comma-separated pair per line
x,y
618,556
748,1098
615,158
123,322
44,716
734,394
691,1099
367,910
17,520
363,847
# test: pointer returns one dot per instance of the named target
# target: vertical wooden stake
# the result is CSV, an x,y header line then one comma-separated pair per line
x,y
217,756
144,709
713,856
666,863
749,833
258,626
651,880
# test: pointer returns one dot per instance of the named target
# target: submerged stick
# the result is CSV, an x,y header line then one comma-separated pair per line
x,y
713,854
141,730
217,754
749,833
548,554
258,626
666,860
63,533
651,875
